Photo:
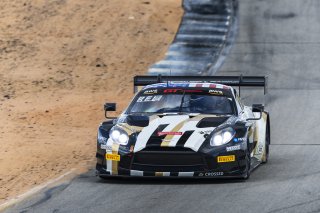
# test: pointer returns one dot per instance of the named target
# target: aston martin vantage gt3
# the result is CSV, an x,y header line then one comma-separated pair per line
x,y
185,126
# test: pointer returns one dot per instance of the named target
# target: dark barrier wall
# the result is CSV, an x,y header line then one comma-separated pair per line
x,y
205,35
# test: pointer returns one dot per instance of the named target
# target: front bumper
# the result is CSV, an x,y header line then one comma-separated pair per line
x,y
173,162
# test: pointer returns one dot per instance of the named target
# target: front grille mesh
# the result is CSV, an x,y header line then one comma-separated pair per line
x,y
168,159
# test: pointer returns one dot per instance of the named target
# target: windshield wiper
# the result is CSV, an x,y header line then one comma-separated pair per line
x,y
182,100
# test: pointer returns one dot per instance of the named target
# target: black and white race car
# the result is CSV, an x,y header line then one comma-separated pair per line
x,y
185,126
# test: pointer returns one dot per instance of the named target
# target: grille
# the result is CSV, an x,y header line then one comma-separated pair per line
x,y
168,159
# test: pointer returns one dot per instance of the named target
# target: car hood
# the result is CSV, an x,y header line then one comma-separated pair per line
x,y
187,130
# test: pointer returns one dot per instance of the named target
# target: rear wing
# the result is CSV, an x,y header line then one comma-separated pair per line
x,y
239,81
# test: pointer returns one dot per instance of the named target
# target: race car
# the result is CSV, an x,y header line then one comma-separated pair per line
x,y
185,126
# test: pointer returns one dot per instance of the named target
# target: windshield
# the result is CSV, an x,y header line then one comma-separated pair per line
x,y
185,102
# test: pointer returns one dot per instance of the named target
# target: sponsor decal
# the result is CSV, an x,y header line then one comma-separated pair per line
x,y
169,133
150,92
233,148
215,92
113,157
208,174
106,147
172,90
181,91
211,174
178,84
239,140
206,132
260,148
149,98
225,159
158,85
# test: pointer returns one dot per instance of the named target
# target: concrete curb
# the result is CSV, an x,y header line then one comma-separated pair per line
x,y
35,190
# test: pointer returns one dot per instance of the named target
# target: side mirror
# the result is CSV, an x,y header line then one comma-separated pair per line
x,y
111,107
256,108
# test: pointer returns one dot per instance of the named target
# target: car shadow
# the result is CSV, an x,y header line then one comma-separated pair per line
x,y
91,177
165,181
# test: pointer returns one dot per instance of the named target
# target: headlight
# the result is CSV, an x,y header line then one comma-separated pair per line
x,y
115,134
222,137
119,136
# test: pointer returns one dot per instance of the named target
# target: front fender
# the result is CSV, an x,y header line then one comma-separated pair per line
x,y
260,135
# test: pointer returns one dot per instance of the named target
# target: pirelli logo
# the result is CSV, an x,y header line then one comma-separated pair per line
x,y
113,157
227,158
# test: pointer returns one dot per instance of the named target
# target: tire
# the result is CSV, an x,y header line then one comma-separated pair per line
x,y
110,178
265,157
248,161
104,177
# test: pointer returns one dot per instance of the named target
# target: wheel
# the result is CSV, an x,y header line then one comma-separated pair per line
x,y
265,156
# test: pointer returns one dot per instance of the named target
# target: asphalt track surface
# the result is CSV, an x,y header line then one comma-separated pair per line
x,y
278,38
206,32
